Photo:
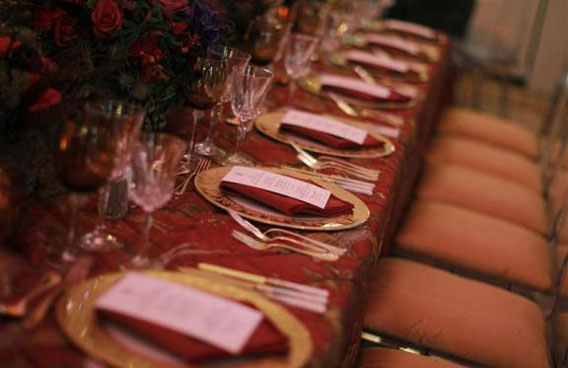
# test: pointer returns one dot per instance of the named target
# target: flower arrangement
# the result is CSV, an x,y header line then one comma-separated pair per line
x,y
135,49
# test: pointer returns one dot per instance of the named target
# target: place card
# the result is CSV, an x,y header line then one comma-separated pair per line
x,y
394,42
416,29
378,60
354,84
279,184
218,321
325,125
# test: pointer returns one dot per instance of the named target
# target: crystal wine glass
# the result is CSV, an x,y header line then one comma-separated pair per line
x,y
264,40
249,89
127,120
154,163
234,58
84,160
297,59
203,88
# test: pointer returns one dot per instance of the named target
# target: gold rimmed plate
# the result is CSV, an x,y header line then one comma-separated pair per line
x,y
428,52
77,317
208,183
379,25
340,59
312,84
269,124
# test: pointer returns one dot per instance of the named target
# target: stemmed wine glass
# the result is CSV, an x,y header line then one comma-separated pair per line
x,y
203,88
297,59
84,160
234,58
127,120
249,89
154,163
264,41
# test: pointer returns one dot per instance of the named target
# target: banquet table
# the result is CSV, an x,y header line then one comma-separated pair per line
x,y
206,230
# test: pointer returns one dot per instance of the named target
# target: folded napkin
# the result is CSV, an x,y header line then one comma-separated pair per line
x,y
330,139
287,205
393,97
383,69
265,340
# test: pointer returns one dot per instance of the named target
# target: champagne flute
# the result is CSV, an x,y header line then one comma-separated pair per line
x,y
297,59
203,87
155,158
234,58
84,160
249,90
127,120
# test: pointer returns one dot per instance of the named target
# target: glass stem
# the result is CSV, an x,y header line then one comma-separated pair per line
x,y
292,87
194,117
104,193
241,135
69,252
215,113
146,234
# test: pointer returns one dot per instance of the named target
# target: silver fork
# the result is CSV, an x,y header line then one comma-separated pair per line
x,y
326,162
275,234
203,164
260,245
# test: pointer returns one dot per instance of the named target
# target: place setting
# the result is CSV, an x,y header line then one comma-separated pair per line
x,y
404,28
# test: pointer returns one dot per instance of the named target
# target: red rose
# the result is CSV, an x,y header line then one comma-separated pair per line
x,y
50,97
65,32
147,49
153,72
43,20
5,44
171,6
178,28
106,17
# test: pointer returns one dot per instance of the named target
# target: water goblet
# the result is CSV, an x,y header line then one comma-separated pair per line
x,y
297,59
234,58
84,160
154,162
127,120
249,90
203,87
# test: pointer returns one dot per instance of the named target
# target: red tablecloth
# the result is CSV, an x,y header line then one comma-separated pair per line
x,y
191,220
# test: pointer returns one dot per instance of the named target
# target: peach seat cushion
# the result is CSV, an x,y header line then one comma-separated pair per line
x,y
392,358
463,317
477,242
485,193
561,338
561,253
477,155
491,129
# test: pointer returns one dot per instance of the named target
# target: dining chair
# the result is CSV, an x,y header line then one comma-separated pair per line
x,y
504,148
477,324
383,357
560,335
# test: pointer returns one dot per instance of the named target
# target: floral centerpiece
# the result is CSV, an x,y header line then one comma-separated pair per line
x,y
133,49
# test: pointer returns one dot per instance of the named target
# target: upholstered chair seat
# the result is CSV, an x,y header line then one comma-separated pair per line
x,y
477,242
437,309
491,129
392,358
485,193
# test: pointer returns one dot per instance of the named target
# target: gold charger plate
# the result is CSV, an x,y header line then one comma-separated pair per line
x,y
269,124
76,316
312,84
339,59
208,184
430,52
376,25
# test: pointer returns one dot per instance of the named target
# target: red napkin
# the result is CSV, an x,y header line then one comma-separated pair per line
x,y
330,139
287,205
393,97
265,340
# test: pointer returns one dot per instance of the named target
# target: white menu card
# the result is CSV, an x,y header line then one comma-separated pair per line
x,y
280,184
412,28
325,125
354,84
394,42
218,321
378,60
